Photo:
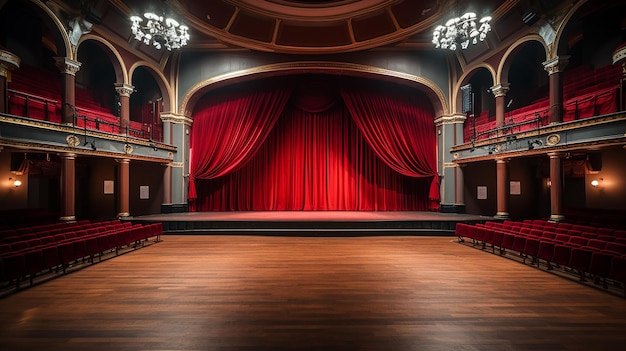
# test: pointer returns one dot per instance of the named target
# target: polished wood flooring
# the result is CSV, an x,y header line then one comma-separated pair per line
x,y
311,293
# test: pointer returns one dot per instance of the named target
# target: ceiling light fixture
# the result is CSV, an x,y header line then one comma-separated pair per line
x,y
159,31
460,31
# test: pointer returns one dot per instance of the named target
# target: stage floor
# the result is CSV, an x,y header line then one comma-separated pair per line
x,y
312,222
316,216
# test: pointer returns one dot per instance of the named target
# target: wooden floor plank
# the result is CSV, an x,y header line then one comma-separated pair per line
x,y
307,293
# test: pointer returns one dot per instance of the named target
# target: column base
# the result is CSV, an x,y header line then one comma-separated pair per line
x,y
501,215
123,215
556,218
68,219
448,208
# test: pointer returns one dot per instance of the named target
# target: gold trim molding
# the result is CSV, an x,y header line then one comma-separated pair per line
x,y
176,118
450,119
318,67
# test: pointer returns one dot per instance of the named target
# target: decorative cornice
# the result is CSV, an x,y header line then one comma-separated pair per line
x,y
124,89
450,119
319,67
60,149
551,129
556,64
176,118
67,66
69,129
499,90
177,164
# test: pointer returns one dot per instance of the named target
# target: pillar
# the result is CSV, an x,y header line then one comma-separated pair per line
x,y
555,67
499,91
556,187
124,186
502,189
167,184
8,62
68,70
68,187
450,134
124,91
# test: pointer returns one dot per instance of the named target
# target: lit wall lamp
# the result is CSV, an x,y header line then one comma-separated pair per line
x,y
596,182
16,182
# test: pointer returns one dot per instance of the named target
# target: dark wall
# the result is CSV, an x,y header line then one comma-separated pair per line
x,y
533,200
91,202
480,174
150,175
611,192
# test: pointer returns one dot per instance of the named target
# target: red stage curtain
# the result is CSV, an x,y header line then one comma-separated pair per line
x,y
229,128
399,127
314,161
315,157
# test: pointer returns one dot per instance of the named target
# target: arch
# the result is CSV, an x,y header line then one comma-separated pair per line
x,y
504,65
120,68
561,28
67,52
435,94
464,78
159,78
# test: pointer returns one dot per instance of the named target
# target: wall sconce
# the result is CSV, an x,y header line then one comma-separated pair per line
x,y
548,182
16,182
596,182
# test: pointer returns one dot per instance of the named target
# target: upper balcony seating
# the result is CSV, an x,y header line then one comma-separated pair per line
x,y
36,93
586,93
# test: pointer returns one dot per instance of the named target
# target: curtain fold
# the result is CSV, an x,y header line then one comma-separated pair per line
x,y
229,128
314,162
399,127
356,148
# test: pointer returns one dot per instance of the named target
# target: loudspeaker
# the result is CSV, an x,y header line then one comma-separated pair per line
x,y
466,94
594,162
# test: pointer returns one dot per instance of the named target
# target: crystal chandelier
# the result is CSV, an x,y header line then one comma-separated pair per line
x,y
159,31
461,31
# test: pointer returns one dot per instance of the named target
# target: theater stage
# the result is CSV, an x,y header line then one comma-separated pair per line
x,y
311,223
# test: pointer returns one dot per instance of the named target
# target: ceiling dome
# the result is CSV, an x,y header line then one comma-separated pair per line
x,y
310,26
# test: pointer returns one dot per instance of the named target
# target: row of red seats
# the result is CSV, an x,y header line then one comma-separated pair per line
x,y
28,259
590,254
30,232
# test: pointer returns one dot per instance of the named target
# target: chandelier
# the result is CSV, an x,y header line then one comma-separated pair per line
x,y
159,31
461,31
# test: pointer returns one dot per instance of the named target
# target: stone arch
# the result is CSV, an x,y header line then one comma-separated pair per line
x,y
160,80
502,76
464,79
119,67
435,94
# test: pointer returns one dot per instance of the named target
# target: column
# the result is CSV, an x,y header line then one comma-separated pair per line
x,y
499,91
68,70
556,187
8,62
502,189
554,67
167,184
450,134
124,90
68,187
124,185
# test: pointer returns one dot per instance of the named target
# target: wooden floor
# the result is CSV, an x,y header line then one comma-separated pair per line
x,y
311,293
